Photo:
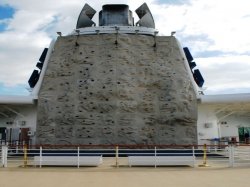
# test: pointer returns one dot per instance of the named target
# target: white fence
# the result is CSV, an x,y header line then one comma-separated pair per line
x,y
229,156
240,156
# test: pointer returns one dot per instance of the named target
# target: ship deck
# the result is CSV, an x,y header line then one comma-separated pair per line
x,y
108,174
123,176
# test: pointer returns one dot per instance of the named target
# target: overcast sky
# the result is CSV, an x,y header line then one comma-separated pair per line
x,y
217,33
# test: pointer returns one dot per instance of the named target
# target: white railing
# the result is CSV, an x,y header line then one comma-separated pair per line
x,y
214,155
241,156
227,156
1,155
4,156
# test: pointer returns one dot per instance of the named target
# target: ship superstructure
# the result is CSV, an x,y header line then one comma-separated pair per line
x,y
119,83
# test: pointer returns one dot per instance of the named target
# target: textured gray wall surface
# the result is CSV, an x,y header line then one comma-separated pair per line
x,y
97,92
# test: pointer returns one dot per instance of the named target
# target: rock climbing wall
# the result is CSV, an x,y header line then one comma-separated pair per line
x,y
98,92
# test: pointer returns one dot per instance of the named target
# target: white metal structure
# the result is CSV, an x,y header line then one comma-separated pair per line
x,y
17,99
161,161
68,160
229,156
115,30
220,117
226,99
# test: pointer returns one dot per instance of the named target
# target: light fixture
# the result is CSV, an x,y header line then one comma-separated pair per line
x,y
97,32
59,33
117,28
173,33
77,31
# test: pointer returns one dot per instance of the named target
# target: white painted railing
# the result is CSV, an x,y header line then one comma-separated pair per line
x,y
229,156
4,156
240,156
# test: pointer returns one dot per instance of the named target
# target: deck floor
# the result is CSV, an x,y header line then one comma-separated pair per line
x,y
124,176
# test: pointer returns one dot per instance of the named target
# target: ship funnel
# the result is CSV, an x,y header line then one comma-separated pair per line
x,y
85,17
146,18
115,14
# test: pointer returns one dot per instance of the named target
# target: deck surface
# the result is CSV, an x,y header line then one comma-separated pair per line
x,y
124,176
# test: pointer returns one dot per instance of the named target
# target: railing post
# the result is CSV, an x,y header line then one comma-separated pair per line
x,y
193,155
2,156
25,157
40,156
231,155
78,157
155,157
116,156
17,146
204,164
248,150
5,156
232,147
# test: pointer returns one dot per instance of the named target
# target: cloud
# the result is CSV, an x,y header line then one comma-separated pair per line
x,y
216,32
172,2
226,73
3,24
18,57
219,42
198,43
229,30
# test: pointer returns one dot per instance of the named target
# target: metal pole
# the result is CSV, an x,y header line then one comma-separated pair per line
x,y
155,157
78,157
4,155
193,155
116,35
17,146
40,156
25,157
116,156
204,157
230,156
233,150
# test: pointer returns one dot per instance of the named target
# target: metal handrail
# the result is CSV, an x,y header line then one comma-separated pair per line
x,y
231,154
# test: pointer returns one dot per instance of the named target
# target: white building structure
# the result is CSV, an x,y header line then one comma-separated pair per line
x,y
223,117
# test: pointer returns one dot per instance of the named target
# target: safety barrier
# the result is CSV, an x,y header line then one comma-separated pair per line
x,y
4,155
161,161
1,155
67,161
217,155
153,155
241,156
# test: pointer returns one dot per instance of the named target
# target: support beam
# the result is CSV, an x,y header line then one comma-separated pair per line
x,y
229,114
3,114
222,109
12,110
